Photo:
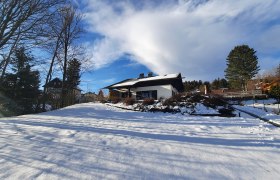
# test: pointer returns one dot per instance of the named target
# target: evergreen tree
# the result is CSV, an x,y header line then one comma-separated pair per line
x,y
73,74
219,83
275,93
223,83
278,71
22,86
192,85
100,95
72,80
215,84
242,65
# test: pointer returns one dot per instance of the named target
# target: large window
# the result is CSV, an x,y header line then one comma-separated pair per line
x,y
146,94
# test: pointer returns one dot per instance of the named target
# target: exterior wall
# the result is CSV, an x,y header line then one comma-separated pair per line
x,y
164,91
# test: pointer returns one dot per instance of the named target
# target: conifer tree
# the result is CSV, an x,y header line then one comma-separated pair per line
x,y
100,95
242,65
72,80
275,93
73,73
278,71
219,83
22,86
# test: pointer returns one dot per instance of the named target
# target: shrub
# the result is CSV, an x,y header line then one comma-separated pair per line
x,y
173,100
103,101
177,97
227,112
148,101
168,102
196,98
129,101
115,100
214,102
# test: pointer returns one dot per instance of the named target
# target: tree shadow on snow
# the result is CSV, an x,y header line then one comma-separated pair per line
x,y
168,137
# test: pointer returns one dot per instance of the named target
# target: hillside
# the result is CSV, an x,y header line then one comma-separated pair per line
x,y
95,141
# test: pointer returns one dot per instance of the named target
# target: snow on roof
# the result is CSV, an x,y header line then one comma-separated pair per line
x,y
131,82
126,83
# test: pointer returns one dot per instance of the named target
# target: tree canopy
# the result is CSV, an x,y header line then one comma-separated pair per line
x,y
21,88
242,65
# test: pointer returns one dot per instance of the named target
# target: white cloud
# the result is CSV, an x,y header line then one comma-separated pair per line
x,y
182,37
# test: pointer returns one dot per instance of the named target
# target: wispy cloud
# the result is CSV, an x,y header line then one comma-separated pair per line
x,y
182,36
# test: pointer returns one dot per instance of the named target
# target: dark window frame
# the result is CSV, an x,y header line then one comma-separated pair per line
x,y
140,95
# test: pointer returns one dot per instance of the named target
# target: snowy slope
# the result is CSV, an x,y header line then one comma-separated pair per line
x,y
94,141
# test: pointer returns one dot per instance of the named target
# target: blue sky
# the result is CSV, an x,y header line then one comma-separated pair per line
x,y
127,37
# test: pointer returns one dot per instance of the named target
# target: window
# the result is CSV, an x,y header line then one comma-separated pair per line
x,y
146,94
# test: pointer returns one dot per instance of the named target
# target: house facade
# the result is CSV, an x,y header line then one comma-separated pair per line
x,y
54,88
155,87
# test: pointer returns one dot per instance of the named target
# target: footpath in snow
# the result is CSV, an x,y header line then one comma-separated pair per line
x,y
95,141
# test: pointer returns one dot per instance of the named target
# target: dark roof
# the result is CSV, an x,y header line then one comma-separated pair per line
x,y
55,83
174,79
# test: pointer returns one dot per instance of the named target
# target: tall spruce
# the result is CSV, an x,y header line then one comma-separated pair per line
x,y
73,73
72,81
242,65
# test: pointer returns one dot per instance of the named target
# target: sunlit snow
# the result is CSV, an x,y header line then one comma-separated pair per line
x,y
95,141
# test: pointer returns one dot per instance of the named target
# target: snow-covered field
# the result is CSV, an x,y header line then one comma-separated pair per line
x,y
267,109
95,141
268,105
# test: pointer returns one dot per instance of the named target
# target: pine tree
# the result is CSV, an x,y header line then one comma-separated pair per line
x,y
242,65
73,73
219,83
22,86
215,84
72,80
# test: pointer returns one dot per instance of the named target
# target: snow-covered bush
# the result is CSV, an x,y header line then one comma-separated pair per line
x,y
148,101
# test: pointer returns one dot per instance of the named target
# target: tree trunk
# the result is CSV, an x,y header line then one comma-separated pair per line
x,y
63,90
48,78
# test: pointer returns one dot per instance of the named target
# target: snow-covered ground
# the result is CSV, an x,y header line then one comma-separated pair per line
x,y
267,109
268,105
95,141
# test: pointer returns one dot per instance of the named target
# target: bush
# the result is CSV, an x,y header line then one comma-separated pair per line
x,y
148,101
129,101
115,100
227,112
173,100
103,101
196,98
177,98
213,102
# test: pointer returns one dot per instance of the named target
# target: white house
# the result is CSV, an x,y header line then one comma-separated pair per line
x,y
155,87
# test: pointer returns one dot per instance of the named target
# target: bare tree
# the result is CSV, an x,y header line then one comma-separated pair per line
x,y
71,29
22,21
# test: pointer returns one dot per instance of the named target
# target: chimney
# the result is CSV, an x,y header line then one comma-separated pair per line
x,y
150,74
141,75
